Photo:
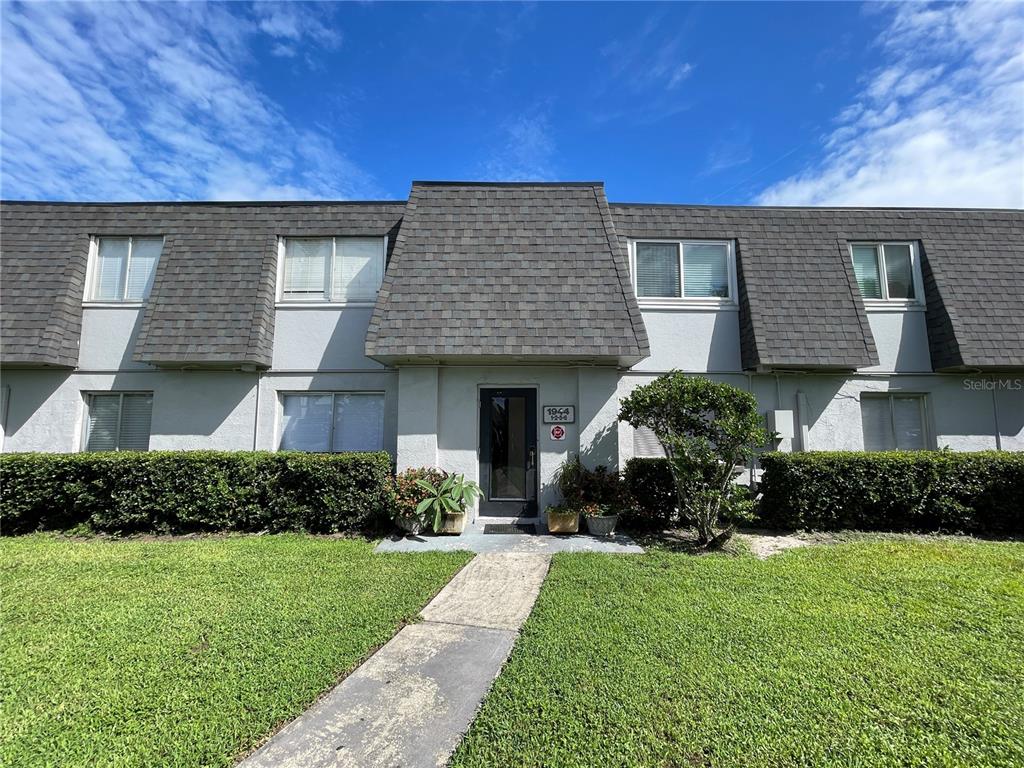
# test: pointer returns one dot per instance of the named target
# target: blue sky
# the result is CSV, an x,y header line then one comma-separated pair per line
x,y
728,103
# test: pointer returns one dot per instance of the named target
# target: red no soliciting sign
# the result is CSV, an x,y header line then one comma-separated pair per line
x,y
558,432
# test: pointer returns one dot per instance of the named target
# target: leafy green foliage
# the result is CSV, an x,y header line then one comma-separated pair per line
x,y
188,491
895,491
185,653
648,483
451,496
409,493
707,428
880,654
582,487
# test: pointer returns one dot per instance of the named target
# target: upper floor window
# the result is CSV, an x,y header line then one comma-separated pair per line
x,y
682,270
887,272
335,269
118,421
121,269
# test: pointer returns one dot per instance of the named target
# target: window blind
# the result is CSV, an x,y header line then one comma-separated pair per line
x,y
358,269
145,253
119,422
899,276
706,270
657,270
104,414
358,422
305,267
307,423
907,423
108,282
646,444
865,269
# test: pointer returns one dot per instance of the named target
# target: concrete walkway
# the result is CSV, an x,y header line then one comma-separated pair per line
x,y
409,704
475,540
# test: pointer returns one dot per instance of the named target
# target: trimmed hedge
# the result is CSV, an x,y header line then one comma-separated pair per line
x,y
894,491
652,490
190,491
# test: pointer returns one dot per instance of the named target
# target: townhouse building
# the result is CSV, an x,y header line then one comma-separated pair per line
x,y
493,328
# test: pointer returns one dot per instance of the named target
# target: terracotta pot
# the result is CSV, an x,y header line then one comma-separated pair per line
x,y
602,526
409,525
453,522
563,522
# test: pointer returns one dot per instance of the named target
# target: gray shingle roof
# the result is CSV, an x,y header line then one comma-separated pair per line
x,y
799,303
212,301
525,270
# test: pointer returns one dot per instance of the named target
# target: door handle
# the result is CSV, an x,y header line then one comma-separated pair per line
x,y
531,460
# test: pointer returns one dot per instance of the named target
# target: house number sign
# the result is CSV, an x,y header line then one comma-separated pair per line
x,y
559,414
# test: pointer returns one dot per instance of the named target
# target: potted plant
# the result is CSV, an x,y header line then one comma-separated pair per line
x,y
563,519
447,501
409,495
601,519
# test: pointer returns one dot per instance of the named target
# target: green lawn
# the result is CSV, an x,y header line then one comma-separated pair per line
x,y
184,653
892,653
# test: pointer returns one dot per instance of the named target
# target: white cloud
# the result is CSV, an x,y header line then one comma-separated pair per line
x,y
942,124
526,151
123,101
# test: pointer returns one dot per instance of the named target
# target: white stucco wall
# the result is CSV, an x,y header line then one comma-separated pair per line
x,y
191,409
901,338
108,339
321,339
692,340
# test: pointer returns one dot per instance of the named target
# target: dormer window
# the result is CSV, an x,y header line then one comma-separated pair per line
x,y
121,269
680,272
887,272
343,270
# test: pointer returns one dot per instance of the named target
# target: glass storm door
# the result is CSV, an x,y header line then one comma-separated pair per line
x,y
508,452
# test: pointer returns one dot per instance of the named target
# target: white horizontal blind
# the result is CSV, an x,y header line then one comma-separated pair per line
x,y
104,415
908,423
136,416
119,422
358,422
876,421
899,275
145,253
111,261
305,267
865,268
358,269
657,270
706,270
646,444
307,423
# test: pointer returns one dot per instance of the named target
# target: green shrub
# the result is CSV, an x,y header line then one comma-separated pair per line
x,y
580,486
190,491
650,487
894,491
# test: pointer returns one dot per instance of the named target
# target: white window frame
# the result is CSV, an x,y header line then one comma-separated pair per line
x,y
327,301
682,301
922,397
282,394
915,304
87,398
92,272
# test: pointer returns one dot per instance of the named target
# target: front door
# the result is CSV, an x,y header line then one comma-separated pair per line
x,y
508,452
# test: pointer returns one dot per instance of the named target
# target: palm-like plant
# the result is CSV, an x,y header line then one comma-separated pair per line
x,y
452,495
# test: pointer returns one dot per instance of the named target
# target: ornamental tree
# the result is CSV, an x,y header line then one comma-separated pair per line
x,y
707,429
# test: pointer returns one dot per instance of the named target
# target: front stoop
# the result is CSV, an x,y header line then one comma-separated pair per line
x,y
410,703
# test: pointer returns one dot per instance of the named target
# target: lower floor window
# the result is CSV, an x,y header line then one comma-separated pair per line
x,y
118,421
893,422
646,444
333,421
